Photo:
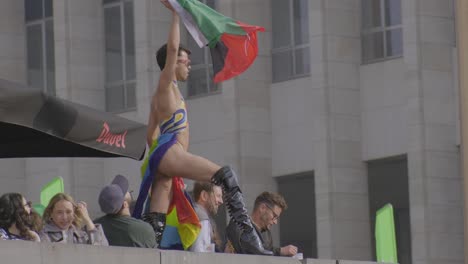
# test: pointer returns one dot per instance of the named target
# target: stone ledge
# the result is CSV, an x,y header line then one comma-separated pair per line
x,y
19,252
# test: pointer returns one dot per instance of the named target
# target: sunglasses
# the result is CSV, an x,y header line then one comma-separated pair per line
x,y
186,62
28,204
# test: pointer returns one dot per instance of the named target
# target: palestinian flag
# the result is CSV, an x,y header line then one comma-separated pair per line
x,y
233,44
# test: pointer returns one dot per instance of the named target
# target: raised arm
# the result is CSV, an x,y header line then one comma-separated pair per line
x,y
173,42
166,77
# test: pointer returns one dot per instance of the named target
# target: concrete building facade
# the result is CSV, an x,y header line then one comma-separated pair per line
x,y
346,105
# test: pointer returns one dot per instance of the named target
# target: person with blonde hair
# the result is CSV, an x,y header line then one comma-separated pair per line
x,y
69,222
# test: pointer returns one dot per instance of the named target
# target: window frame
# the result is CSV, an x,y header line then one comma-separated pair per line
x,y
42,22
292,47
383,28
207,65
124,82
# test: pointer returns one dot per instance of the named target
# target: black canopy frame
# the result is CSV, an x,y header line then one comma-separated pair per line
x,y
34,124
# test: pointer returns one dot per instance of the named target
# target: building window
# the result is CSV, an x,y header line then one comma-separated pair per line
x,y
40,44
119,55
382,36
388,182
298,224
200,81
291,45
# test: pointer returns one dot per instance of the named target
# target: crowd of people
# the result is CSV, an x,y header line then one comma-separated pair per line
x,y
67,221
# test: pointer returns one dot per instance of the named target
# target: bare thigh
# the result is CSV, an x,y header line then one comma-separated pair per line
x,y
180,163
161,193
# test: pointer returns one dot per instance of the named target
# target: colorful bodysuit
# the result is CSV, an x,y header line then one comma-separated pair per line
x,y
177,122
182,224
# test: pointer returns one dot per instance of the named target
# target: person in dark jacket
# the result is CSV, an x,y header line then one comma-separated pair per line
x,y
267,210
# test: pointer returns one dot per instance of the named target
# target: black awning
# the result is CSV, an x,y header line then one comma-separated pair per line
x,y
33,124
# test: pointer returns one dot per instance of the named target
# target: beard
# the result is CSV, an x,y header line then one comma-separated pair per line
x,y
212,208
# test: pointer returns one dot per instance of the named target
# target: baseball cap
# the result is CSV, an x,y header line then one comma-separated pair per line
x,y
112,196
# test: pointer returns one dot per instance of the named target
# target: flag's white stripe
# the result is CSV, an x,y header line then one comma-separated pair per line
x,y
192,28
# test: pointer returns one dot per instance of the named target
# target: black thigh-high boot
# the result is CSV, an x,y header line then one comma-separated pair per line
x,y
158,222
249,240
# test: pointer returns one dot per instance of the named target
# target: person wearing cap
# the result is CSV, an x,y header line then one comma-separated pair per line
x,y
120,228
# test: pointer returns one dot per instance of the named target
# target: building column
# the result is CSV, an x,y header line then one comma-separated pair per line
x,y
462,43
433,157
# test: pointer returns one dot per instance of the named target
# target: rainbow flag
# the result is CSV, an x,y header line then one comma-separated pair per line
x,y
233,44
182,223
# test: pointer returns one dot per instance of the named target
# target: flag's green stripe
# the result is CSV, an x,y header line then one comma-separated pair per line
x,y
210,22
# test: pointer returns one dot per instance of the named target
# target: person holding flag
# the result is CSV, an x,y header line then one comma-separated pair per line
x,y
169,160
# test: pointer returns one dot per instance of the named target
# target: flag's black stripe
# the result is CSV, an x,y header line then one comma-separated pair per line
x,y
218,56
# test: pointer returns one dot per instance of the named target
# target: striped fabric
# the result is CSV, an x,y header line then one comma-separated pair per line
x,y
4,235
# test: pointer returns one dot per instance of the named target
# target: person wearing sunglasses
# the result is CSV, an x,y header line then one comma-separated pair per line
x,y
267,210
15,218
